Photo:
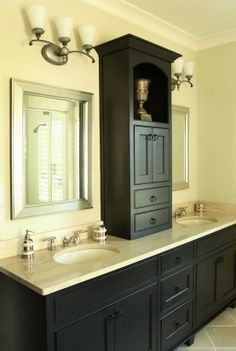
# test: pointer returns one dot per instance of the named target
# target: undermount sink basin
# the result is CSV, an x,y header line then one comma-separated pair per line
x,y
195,220
86,254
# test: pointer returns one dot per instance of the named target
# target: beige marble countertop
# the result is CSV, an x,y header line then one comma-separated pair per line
x,y
44,275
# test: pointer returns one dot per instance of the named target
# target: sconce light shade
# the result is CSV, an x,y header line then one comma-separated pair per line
x,y
188,68
178,68
36,15
64,26
87,34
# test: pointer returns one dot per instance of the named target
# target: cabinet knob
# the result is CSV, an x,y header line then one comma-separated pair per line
x,y
149,137
154,137
119,314
179,260
153,221
112,317
220,260
153,198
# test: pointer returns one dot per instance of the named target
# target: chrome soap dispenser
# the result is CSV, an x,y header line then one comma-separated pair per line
x,y
28,246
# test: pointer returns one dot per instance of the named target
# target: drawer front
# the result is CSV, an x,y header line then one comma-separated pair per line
x,y
151,219
177,325
75,302
216,241
177,259
151,197
177,287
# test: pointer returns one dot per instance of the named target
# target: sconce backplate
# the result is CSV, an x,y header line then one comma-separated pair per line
x,y
51,53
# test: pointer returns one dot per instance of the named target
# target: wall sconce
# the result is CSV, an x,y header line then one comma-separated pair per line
x,y
53,53
179,67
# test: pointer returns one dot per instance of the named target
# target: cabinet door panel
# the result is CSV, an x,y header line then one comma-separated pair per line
x,y
160,155
206,288
226,275
136,326
95,332
143,155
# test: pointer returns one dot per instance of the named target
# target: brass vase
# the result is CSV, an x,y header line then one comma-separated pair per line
x,y
141,96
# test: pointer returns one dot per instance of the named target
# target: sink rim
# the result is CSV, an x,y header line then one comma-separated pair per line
x,y
201,220
83,248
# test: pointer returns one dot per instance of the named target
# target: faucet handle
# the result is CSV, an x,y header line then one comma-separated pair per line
x,y
76,237
65,241
51,241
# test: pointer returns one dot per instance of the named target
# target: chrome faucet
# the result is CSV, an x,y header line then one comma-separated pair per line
x,y
181,212
51,243
75,239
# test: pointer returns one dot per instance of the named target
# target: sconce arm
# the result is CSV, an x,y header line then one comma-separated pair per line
x,y
177,82
82,52
42,41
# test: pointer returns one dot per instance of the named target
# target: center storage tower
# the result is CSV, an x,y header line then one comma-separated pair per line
x,y
135,153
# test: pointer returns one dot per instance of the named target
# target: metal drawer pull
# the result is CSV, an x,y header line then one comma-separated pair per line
x,y
155,137
153,221
179,260
177,289
153,198
149,137
220,260
118,314
178,325
112,317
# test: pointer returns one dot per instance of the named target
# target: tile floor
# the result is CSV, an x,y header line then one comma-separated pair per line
x,y
218,335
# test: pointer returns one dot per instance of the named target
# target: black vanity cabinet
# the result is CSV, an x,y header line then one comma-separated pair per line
x,y
135,154
216,273
114,312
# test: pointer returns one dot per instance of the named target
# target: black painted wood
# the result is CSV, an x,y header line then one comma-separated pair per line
x,y
135,155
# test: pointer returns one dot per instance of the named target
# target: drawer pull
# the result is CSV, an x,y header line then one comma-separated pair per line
x,y
178,325
179,260
153,221
177,289
220,260
155,137
149,137
153,198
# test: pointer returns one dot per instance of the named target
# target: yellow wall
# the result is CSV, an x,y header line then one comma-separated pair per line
x,y
217,124
20,61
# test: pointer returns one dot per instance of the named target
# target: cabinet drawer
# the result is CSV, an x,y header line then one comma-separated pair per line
x,y
177,258
177,325
151,197
216,241
84,298
151,219
176,287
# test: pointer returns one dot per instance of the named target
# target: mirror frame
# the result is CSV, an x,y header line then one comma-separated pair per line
x,y
19,209
183,184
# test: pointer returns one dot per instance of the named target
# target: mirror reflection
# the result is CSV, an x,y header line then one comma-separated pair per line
x,y
51,149
180,155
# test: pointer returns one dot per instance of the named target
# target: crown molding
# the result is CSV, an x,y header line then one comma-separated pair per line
x,y
160,27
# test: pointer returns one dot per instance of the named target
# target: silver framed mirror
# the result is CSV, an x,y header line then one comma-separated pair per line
x,y
180,147
51,149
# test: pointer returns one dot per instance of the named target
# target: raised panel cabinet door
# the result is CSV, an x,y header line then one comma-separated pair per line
x,y
206,301
161,150
95,332
135,327
143,155
226,274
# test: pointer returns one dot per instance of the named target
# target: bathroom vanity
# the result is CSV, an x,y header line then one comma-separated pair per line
x,y
156,293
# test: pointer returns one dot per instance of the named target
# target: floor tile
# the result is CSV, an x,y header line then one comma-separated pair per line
x,y
224,319
222,336
201,340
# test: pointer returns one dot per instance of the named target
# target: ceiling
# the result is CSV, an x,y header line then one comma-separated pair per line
x,y
201,18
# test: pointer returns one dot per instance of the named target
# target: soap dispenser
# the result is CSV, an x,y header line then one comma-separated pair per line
x,y
28,246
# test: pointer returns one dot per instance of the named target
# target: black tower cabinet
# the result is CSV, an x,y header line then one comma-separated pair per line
x,y
135,154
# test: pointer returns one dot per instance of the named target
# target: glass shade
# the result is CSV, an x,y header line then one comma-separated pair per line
x,y
87,34
36,15
64,26
177,66
188,68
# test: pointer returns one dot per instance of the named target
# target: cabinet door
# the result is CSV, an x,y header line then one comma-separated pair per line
x,y
160,154
95,332
136,323
143,155
206,288
226,275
